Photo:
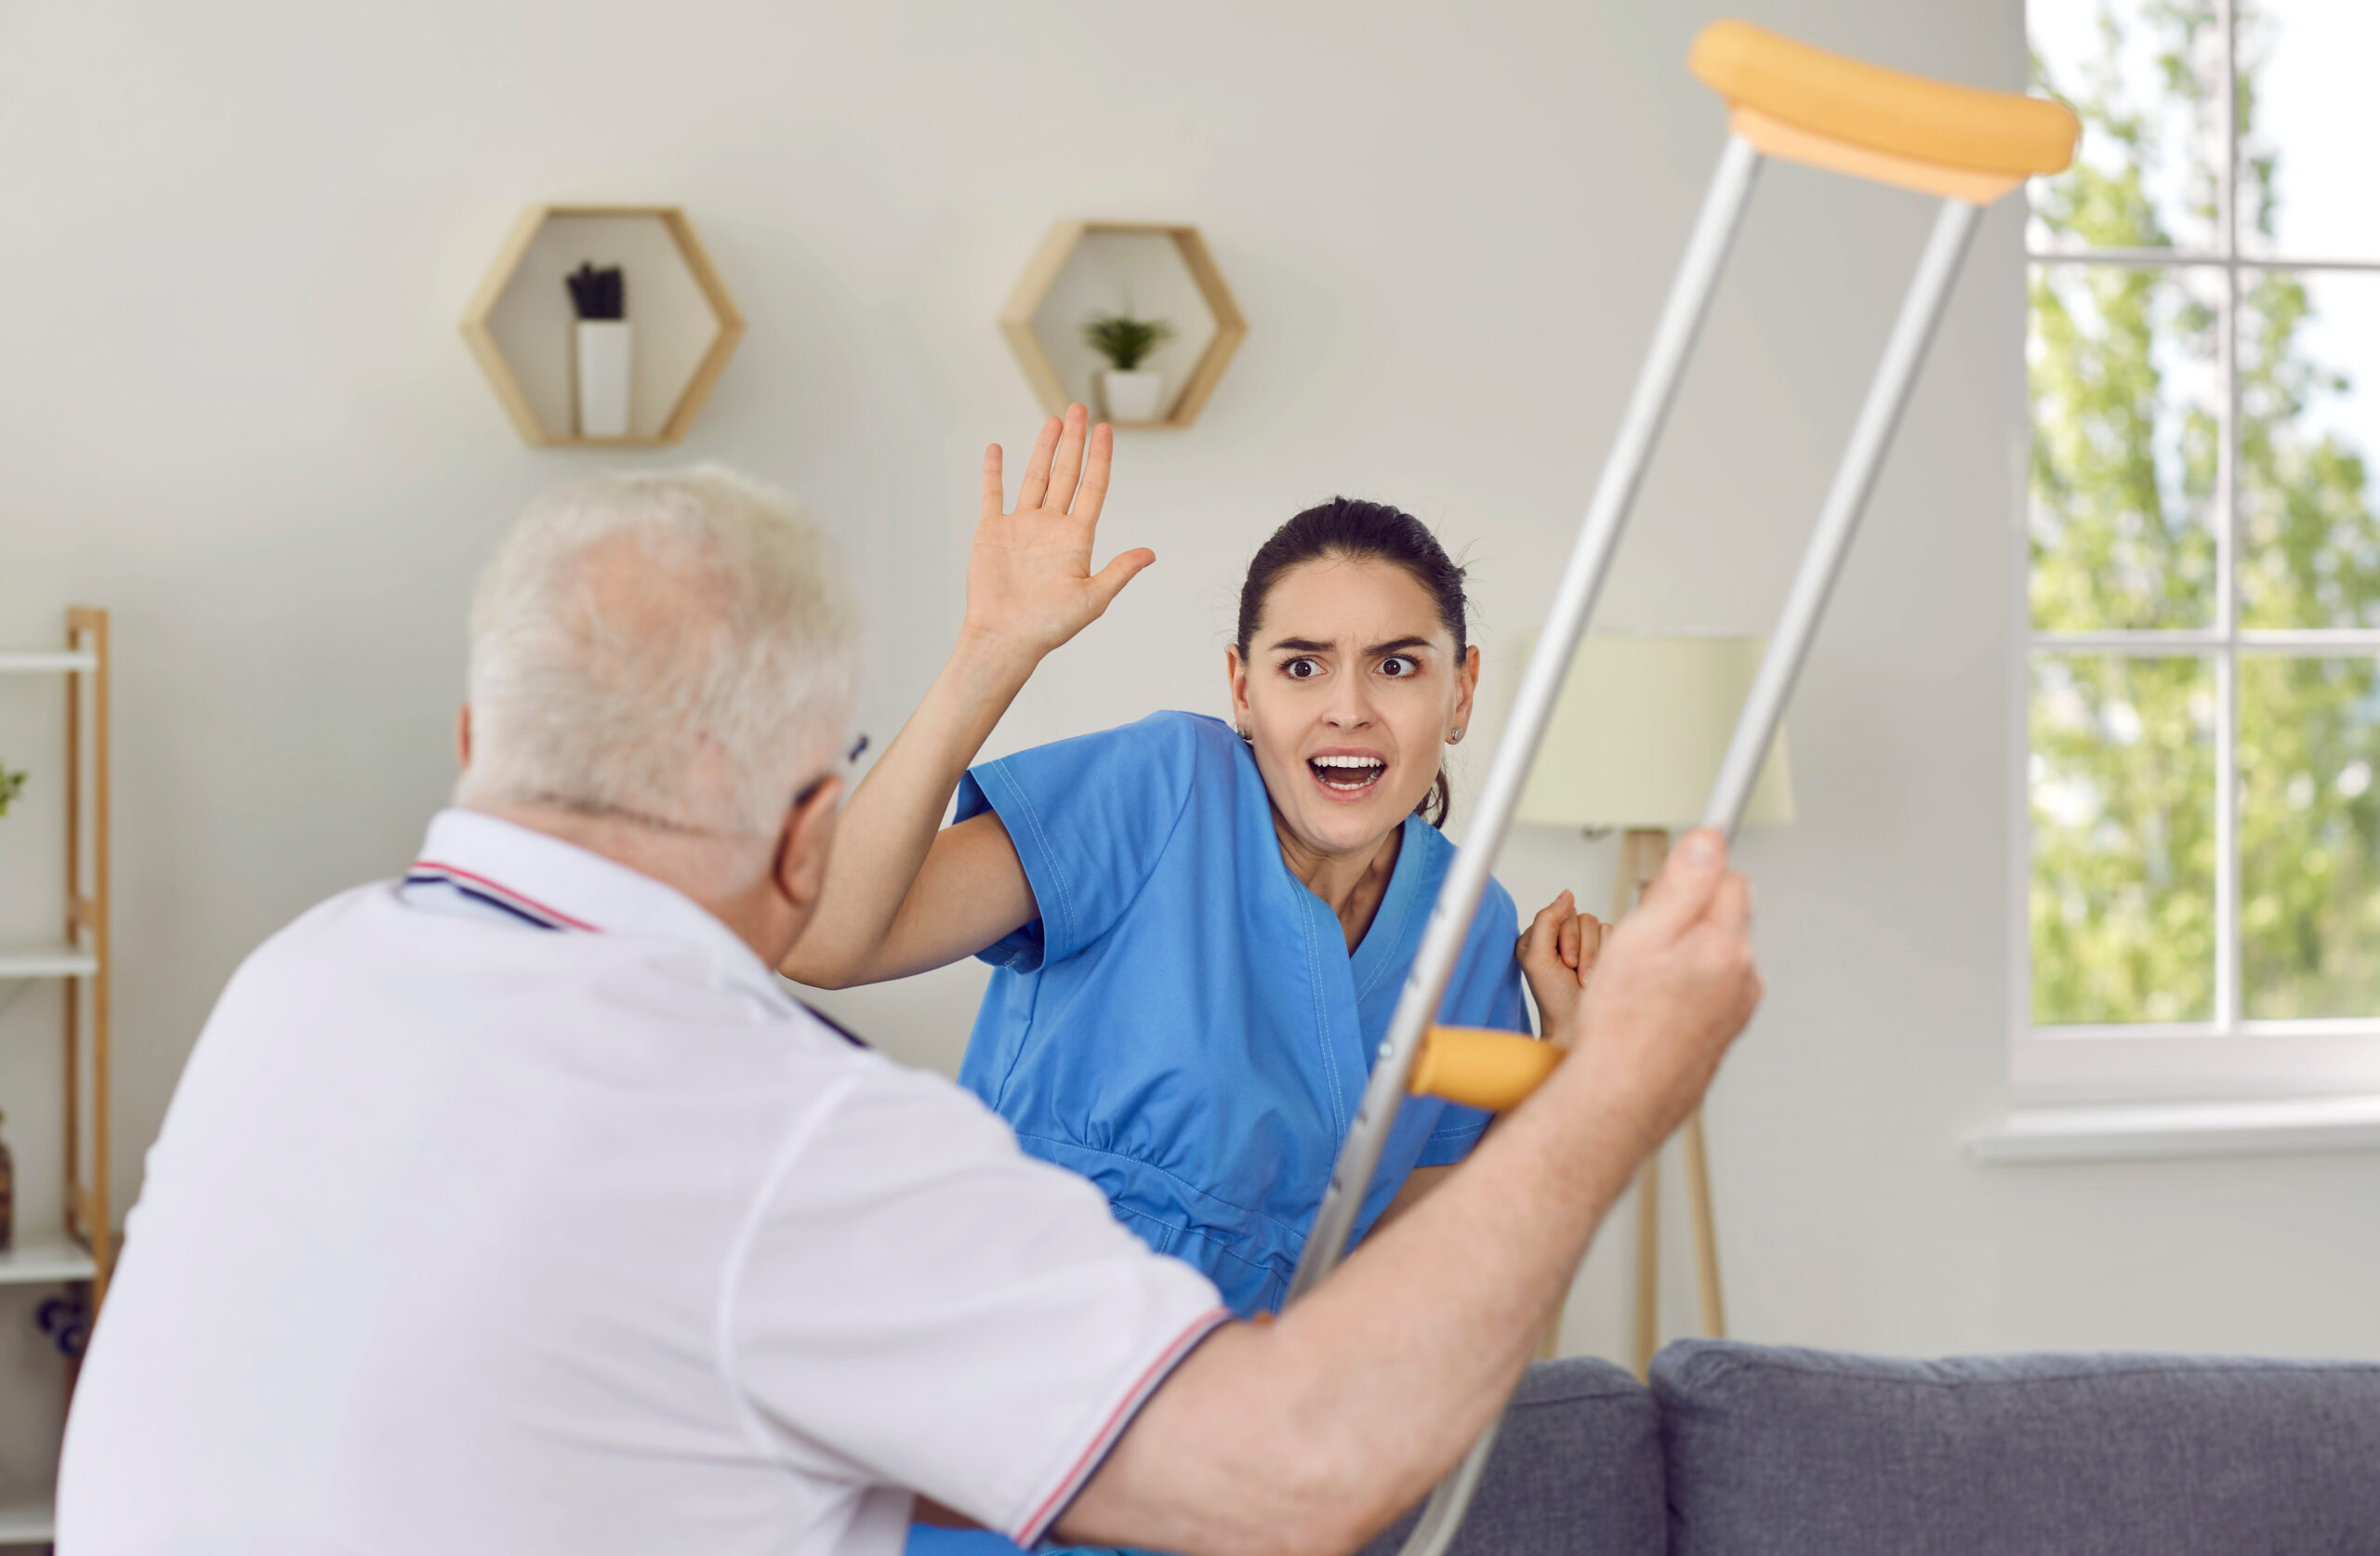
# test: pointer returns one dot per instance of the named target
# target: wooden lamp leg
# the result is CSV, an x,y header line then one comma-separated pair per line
x,y
1648,1262
1706,1232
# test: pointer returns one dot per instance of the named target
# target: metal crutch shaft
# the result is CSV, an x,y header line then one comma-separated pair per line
x,y
1839,520
1821,564
1449,923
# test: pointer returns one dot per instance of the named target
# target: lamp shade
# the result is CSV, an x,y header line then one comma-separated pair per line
x,y
1639,730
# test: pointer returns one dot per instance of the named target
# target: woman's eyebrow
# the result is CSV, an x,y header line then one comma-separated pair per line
x,y
1394,645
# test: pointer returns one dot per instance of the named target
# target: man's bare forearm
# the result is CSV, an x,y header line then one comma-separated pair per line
x,y
1309,1434
885,832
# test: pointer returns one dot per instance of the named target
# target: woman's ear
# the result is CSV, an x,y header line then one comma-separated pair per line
x,y
1466,688
1236,672
463,738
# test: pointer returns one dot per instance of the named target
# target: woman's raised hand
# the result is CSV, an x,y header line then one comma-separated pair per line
x,y
1029,583
1557,954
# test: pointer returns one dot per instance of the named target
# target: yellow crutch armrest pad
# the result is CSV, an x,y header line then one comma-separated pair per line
x,y
1881,110
1480,1068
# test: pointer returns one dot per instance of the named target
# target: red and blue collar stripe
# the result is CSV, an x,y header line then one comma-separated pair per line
x,y
499,898
495,894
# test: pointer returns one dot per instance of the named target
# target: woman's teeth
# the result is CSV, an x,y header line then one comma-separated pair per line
x,y
1347,773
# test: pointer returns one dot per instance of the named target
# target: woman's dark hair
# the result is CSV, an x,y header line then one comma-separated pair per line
x,y
1359,531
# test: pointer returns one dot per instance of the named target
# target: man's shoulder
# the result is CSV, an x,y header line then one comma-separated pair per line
x,y
325,928
369,930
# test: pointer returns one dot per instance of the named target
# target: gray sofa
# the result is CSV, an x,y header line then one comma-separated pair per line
x,y
1743,1449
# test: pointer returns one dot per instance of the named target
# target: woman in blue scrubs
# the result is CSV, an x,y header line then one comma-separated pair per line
x,y
1200,928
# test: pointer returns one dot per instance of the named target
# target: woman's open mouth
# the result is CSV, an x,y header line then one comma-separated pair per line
x,y
1347,777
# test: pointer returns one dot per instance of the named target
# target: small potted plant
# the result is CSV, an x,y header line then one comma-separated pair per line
x,y
600,350
1131,393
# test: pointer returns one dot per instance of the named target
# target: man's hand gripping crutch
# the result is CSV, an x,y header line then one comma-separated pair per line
x,y
1968,148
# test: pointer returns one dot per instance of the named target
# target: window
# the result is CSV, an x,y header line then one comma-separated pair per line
x,y
2201,911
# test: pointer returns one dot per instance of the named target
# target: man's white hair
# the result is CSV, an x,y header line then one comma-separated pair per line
x,y
677,649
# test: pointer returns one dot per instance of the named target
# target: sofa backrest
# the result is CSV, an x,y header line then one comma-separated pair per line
x,y
1807,1453
1577,1472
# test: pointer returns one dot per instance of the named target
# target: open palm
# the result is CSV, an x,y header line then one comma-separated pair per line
x,y
1029,584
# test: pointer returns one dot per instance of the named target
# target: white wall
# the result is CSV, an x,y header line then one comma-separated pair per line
x,y
234,408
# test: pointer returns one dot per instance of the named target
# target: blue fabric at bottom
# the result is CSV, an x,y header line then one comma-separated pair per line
x,y
926,1540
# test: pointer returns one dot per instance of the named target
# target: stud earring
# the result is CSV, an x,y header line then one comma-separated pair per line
x,y
1242,731
1455,739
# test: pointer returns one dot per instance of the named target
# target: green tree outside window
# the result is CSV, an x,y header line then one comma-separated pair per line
x,y
2126,366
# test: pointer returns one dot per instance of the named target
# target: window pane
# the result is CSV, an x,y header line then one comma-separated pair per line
x,y
2307,121
2123,789
2309,552
2126,382
2145,76
2309,822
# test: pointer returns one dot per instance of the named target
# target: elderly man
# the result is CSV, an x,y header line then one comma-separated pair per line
x,y
512,1204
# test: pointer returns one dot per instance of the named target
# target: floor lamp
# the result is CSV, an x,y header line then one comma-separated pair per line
x,y
1633,746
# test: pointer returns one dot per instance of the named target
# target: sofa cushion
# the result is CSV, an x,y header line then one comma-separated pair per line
x,y
1788,1451
1577,1472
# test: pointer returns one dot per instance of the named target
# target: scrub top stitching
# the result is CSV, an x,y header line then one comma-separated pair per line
x,y
1308,904
1016,1049
1311,903
1291,1234
1172,1235
1050,852
1404,917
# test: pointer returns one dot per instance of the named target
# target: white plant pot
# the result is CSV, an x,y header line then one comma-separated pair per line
x,y
602,378
1138,396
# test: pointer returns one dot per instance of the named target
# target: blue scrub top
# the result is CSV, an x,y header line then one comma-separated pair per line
x,y
1183,1025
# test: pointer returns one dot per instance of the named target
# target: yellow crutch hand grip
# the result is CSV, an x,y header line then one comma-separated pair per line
x,y
1481,1068
1828,109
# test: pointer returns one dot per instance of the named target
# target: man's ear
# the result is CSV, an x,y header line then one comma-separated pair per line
x,y
463,737
803,847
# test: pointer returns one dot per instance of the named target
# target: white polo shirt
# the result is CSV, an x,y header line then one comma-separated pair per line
x,y
513,1207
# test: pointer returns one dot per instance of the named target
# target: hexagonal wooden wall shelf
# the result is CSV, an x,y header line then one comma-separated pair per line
x,y
685,326
1152,270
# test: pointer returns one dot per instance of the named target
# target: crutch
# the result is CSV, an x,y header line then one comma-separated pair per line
x,y
1784,99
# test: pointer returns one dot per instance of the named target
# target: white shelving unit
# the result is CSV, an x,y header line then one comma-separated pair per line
x,y
27,1520
80,1257
43,1262
59,960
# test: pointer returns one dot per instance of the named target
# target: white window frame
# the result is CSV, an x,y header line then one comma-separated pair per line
x,y
2229,1056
